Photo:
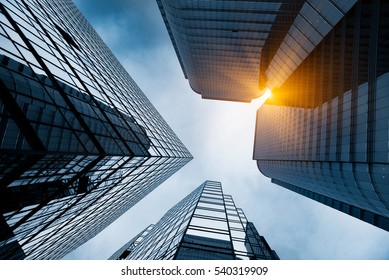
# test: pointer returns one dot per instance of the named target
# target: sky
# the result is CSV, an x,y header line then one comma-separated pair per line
x,y
220,136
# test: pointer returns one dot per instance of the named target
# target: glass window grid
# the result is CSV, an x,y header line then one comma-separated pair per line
x,y
164,141
198,237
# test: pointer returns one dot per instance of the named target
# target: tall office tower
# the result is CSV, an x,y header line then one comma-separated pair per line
x,y
329,141
232,50
80,143
324,133
205,225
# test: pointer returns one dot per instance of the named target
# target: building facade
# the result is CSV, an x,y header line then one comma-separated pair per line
x,y
329,141
324,132
232,50
80,143
205,225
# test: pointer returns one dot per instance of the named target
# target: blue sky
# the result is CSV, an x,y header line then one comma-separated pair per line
x,y
220,136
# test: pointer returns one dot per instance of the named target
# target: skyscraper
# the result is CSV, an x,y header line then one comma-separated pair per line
x,y
329,141
324,133
205,225
80,143
231,50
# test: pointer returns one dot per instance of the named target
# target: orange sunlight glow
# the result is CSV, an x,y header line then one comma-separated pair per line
x,y
258,102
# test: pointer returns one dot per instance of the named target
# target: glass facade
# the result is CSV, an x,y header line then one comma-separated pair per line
x,y
314,21
329,139
232,50
80,143
205,225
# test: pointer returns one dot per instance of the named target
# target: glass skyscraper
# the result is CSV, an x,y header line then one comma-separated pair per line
x,y
80,143
324,132
231,50
329,140
205,225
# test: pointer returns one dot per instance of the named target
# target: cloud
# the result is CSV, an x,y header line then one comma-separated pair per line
x,y
127,26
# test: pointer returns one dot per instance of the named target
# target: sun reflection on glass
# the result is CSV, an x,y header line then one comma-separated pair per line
x,y
258,102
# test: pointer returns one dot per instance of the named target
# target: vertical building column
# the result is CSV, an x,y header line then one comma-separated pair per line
x,y
341,88
372,79
330,94
354,80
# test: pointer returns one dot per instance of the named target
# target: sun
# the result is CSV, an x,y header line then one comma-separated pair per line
x,y
258,102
